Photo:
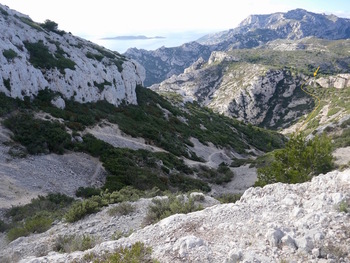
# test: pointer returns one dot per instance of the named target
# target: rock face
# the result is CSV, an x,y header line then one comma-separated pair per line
x,y
339,81
300,223
253,93
165,62
295,24
34,57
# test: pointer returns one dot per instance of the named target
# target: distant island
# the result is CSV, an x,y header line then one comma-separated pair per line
x,y
131,38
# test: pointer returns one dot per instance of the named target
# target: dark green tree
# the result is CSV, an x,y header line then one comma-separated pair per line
x,y
50,25
299,161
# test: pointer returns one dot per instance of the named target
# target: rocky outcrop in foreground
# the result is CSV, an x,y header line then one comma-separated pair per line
x,y
307,222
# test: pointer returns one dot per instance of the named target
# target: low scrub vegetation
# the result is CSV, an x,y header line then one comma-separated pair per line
x,y
93,204
38,136
170,205
9,54
299,161
37,216
137,253
71,243
216,176
229,198
41,57
122,209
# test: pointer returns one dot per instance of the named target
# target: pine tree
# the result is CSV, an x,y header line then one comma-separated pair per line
x,y
299,161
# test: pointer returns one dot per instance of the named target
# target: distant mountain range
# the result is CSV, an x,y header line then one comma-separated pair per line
x,y
254,31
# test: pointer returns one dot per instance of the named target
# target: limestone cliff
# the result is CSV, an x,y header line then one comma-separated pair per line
x,y
36,56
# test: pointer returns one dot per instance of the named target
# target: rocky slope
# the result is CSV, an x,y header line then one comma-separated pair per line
x,y
165,62
294,24
262,86
254,31
306,222
37,56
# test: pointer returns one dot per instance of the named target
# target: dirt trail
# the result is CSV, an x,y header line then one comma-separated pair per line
x,y
111,134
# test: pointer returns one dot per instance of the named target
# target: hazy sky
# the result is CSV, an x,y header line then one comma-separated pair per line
x,y
105,18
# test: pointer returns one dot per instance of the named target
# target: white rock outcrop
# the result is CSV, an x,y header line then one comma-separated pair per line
x,y
96,74
339,81
253,93
280,222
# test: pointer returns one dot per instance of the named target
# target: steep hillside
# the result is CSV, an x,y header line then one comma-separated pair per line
x,y
37,56
262,86
165,62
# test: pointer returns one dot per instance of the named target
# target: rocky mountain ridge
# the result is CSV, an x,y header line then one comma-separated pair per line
x,y
37,56
165,62
294,24
299,223
263,86
254,31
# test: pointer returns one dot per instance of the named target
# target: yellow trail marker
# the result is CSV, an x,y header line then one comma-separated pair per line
x,y
315,97
315,73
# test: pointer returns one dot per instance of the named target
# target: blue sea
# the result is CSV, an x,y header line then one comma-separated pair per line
x,y
171,40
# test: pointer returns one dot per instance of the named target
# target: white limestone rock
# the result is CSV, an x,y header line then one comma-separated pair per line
x,y
262,227
58,102
97,74
339,81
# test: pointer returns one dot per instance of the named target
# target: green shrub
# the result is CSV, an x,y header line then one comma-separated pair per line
x,y
41,57
222,174
344,207
54,204
29,22
71,243
137,253
37,216
50,25
186,184
122,209
228,198
119,234
9,54
38,136
97,57
87,192
165,207
80,209
38,224
4,12
17,232
299,161
7,84
3,226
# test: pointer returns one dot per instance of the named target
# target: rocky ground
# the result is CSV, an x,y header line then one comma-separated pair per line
x,y
23,178
199,237
307,222
101,227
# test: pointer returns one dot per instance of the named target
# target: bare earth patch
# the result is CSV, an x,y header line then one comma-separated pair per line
x,y
342,156
111,134
22,179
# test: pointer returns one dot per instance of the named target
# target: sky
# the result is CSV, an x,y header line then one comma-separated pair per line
x,y
178,21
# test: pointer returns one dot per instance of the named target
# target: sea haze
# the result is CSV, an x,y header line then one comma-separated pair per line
x,y
122,43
